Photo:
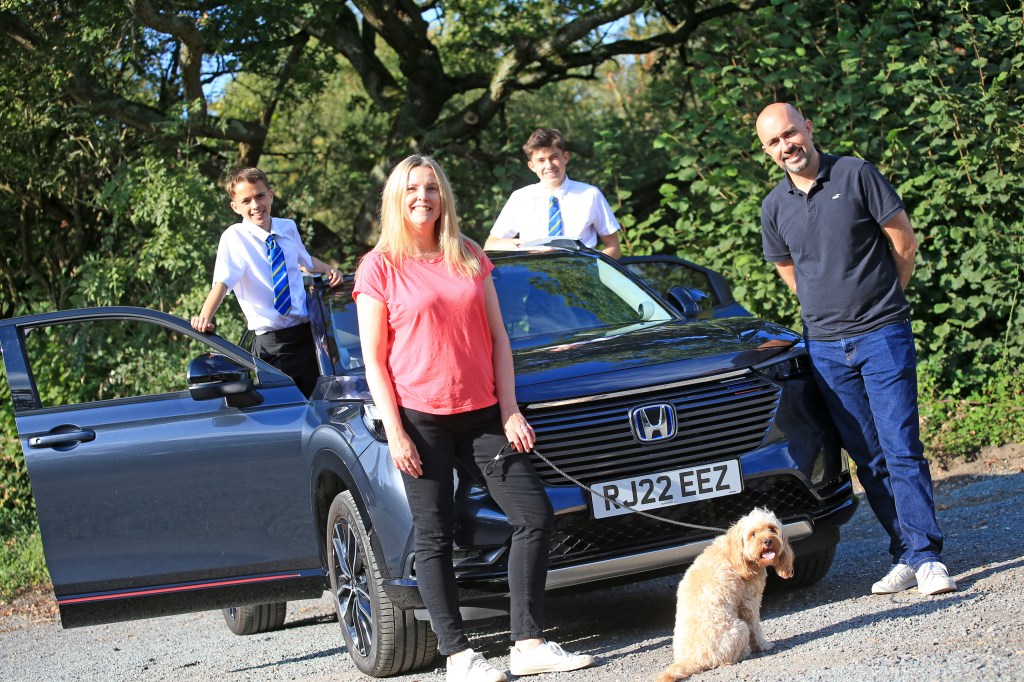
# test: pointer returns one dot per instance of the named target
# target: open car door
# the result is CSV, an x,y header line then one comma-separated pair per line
x,y
167,466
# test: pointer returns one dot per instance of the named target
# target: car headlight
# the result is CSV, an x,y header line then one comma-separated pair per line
x,y
791,367
372,420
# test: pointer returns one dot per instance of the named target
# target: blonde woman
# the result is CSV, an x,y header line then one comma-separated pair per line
x,y
439,367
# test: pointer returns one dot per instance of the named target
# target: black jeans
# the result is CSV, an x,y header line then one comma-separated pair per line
x,y
470,440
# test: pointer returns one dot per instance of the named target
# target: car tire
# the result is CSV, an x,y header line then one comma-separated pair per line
x,y
381,638
255,618
807,570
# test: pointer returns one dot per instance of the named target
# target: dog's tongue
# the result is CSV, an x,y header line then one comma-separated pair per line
x,y
768,555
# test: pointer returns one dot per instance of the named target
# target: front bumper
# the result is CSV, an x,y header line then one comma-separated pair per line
x,y
808,533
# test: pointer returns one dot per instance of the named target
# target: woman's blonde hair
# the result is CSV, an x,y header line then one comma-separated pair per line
x,y
396,241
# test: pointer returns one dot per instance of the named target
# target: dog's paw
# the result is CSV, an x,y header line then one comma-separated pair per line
x,y
765,646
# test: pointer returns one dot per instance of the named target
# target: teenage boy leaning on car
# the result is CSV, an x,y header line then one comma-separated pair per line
x,y
245,258
556,206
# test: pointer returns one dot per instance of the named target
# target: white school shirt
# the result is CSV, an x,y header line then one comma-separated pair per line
x,y
585,213
242,266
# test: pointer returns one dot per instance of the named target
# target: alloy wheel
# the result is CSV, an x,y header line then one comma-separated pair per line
x,y
351,595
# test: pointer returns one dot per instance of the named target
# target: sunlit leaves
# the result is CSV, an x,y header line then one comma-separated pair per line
x,y
931,94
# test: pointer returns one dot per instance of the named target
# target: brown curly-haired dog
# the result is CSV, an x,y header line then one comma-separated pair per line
x,y
718,604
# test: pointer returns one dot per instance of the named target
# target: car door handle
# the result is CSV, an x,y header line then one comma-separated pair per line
x,y
67,438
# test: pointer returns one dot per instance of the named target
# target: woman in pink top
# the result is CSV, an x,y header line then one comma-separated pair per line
x,y
439,366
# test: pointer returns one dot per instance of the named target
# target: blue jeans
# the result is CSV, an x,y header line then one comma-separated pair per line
x,y
870,386
469,441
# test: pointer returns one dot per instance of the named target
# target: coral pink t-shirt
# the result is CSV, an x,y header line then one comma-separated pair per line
x,y
439,343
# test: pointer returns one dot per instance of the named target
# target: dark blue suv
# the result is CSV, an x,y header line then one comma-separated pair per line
x,y
175,472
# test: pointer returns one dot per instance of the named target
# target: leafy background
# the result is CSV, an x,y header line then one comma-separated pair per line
x,y
107,203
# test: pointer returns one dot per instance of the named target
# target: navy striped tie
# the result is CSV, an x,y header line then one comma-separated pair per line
x,y
554,218
279,273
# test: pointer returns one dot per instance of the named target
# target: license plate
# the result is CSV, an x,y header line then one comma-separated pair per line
x,y
667,488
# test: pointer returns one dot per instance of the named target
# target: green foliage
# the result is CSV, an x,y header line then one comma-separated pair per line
x,y
436,77
53,162
17,506
21,551
160,237
21,563
109,194
321,166
931,94
991,414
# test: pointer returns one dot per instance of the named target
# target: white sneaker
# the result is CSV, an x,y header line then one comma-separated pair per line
x,y
473,668
900,577
546,658
933,578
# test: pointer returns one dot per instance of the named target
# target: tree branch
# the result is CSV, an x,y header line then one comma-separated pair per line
x,y
147,119
337,27
190,54
400,23
531,65
249,153
17,30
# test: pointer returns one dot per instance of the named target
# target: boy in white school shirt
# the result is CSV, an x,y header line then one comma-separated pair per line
x,y
274,307
557,206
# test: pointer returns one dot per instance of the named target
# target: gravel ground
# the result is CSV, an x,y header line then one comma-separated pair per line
x,y
834,630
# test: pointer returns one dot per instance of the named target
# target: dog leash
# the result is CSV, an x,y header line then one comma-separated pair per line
x,y
501,453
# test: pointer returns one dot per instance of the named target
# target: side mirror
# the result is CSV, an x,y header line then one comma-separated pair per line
x,y
212,375
645,310
694,304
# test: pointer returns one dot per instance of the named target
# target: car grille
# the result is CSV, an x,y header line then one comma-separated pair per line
x,y
581,538
591,440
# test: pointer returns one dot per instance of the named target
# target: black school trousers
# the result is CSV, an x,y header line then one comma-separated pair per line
x,y
292,351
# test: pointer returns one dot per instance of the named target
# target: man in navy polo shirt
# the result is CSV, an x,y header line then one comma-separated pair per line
x,y
840,238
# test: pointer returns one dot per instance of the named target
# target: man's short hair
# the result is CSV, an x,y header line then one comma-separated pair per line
x,y
544,138
250,175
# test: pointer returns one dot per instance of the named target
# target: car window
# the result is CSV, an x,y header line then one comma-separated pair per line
x,y
345,327
564,294
663,276
106,359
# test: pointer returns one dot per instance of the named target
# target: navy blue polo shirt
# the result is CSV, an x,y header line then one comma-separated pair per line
x,y
846,278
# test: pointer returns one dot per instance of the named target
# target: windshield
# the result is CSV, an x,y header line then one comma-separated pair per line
x,y
560,294
538,296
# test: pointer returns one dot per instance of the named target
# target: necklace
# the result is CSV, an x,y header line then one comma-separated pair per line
x,y
427,255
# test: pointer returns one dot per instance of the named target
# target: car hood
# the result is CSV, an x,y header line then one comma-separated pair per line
x,y
645,354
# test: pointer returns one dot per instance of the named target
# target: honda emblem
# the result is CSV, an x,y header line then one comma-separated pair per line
x,y
653,423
